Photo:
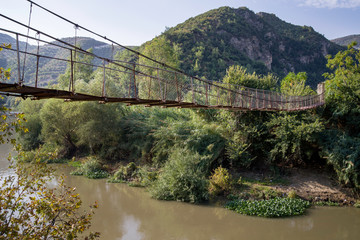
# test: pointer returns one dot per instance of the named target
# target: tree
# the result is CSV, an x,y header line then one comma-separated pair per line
x,y
343,90
239,75
59,124
341,141
294,85
29,209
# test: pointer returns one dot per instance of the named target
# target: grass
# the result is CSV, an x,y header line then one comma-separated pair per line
x,y
326,203
265,181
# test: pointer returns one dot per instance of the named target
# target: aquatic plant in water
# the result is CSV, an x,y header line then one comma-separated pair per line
x,y
276,207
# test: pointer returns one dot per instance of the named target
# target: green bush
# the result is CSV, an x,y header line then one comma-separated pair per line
x,y
276,207
292,194
181,179
220,181
343,153
124,173
91,169
44,153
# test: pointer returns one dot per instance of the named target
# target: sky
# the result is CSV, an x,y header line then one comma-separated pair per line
x,y
133,22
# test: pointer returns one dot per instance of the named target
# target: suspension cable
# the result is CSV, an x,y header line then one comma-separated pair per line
x,y
26,45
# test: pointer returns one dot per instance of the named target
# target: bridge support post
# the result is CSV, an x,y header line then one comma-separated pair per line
x,y
18,57
192,88
177,88
134,78
104,78
320,91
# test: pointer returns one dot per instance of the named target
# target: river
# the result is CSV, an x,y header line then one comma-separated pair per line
x,y
129,213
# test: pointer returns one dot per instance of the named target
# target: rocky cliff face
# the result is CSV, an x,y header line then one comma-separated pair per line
x,y
261,42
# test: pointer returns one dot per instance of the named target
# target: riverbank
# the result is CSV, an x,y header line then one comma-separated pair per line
x,y
315,185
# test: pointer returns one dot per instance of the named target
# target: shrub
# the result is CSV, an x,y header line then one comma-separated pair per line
x,y
45,154
220,181
276,207
125,173
91,169
181,179
343,154
292,194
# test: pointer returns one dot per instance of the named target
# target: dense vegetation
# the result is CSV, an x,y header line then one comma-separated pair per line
x,y
174,152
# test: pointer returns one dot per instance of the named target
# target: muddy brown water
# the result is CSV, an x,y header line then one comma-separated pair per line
x,y
129,213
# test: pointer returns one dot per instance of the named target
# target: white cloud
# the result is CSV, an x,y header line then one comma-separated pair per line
x,y
331,3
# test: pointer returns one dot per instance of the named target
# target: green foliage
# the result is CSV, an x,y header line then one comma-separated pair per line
x,y
292,194
59,124
293,136
276,207
29,209
52,213
192,133
124,173
340,143
44,154
220,181
134,175
343,90
294,85
5,74
32,139
91,168
181,179
342,152
327,203
239,75
357,204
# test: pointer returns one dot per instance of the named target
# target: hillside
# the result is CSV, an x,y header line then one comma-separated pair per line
x,y
215,40
344,41
50,69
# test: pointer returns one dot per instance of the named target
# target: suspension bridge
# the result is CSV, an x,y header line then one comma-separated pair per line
x,y
133,82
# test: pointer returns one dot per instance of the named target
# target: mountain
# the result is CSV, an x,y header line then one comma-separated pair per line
x,y
49,69
213,41
344,41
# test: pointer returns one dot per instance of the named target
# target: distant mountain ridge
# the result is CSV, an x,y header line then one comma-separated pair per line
x,y
262,42
50,69
344,41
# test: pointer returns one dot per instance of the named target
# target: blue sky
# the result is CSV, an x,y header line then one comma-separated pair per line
x,y
133,22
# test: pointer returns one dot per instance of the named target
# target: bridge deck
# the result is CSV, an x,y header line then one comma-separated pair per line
x,y
36,93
